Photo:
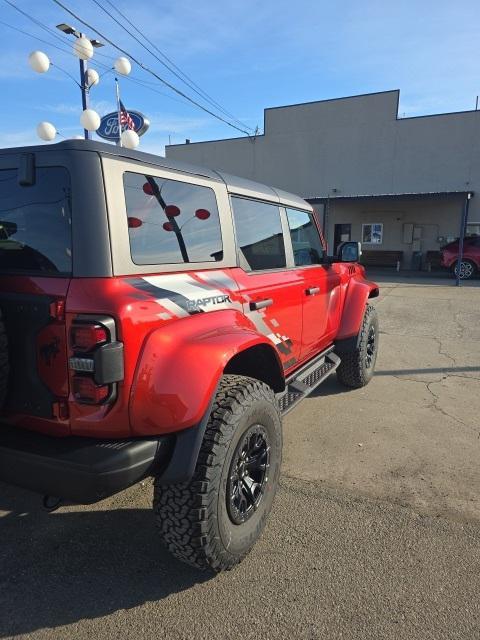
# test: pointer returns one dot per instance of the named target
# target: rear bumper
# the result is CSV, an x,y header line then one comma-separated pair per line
x,y
82,470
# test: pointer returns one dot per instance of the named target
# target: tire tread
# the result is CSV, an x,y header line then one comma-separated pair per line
x,y
185,513
351,371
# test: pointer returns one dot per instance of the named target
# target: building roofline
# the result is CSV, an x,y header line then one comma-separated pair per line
x,y
341,98
387,196
358,95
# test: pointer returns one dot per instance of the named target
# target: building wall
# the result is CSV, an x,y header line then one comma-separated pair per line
x,y
352,146
436,217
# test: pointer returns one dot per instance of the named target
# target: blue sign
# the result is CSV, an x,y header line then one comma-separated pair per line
x,y
108,128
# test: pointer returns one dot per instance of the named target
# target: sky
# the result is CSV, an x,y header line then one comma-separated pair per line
x,y
246,55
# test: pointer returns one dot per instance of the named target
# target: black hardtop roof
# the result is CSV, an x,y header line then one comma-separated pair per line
x,y
234,184
105,149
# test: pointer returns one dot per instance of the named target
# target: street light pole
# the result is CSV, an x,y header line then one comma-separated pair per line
x,y
83,88
69,30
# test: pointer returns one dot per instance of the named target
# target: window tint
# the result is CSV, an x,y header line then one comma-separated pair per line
x,y
35,223
259,234
171,222
307,246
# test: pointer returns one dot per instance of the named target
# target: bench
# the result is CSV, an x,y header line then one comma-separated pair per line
x,y
381,258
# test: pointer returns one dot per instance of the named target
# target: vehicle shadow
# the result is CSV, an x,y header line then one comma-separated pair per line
x,y
59,568
330,387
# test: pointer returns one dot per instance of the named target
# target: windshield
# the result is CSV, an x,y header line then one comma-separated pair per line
x,y
35,223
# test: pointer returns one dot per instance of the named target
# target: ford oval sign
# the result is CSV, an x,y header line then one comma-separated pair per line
x,y
108,128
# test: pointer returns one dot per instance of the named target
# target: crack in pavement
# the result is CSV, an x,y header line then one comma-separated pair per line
x,y
434,405
443,353
436,397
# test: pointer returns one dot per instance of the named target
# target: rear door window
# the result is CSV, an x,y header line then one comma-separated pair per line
x,y
35,223
171,221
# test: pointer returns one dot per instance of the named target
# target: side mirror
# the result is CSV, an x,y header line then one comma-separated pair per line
x,y
349,252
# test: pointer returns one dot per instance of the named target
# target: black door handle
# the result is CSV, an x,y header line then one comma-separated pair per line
x,y
260,304
311,291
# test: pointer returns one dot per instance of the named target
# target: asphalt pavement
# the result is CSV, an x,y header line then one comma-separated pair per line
x,y
374,534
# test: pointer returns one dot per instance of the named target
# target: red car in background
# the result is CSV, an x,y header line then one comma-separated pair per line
x,y
470,264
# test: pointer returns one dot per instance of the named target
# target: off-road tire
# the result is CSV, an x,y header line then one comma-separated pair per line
x,y
467,269
4,369
353,371
193,518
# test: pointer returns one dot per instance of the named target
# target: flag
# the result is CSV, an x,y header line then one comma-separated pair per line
x,y
126,121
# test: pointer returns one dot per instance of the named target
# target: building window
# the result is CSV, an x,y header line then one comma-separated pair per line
x,y
372,233
259,234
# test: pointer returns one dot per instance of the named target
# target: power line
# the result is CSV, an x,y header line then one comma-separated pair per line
x,y
35,37
148,70
51,32
170,65
130,78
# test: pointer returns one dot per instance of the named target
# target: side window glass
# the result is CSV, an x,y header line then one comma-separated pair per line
x,y
170,221
259,234
307,246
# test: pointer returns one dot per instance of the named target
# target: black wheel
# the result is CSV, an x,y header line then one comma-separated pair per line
x,y
467,269
3,361
357,366
214,520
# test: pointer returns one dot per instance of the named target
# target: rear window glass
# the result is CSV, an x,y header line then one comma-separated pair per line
x,y
35,223
170,221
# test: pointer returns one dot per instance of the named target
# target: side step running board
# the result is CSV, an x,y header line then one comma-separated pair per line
x,y
304,381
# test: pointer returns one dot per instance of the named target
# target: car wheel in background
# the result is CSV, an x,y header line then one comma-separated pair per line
x,y
467,269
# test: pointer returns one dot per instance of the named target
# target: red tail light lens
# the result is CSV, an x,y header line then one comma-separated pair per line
x,y
85,390
87,337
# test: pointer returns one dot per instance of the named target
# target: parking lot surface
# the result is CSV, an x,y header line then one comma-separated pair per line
x,y
375,532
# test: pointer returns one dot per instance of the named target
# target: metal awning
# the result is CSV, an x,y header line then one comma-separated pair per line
x,y
389,196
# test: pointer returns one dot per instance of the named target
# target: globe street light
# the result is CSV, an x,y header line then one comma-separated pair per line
x,y
83,49
129,138
39,61
46,131
92,78
90,120
122,65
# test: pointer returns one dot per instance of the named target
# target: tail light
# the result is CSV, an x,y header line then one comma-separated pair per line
x,y
85,390
97,359
88,336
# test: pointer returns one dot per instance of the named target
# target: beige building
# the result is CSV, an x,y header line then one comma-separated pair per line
x,y
399,185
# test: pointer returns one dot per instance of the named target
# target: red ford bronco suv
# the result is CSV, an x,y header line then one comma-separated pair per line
x,y
157,319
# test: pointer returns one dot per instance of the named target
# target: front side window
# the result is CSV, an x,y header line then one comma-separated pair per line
x,y
35,223
171,222
307,246
372,233
259,234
